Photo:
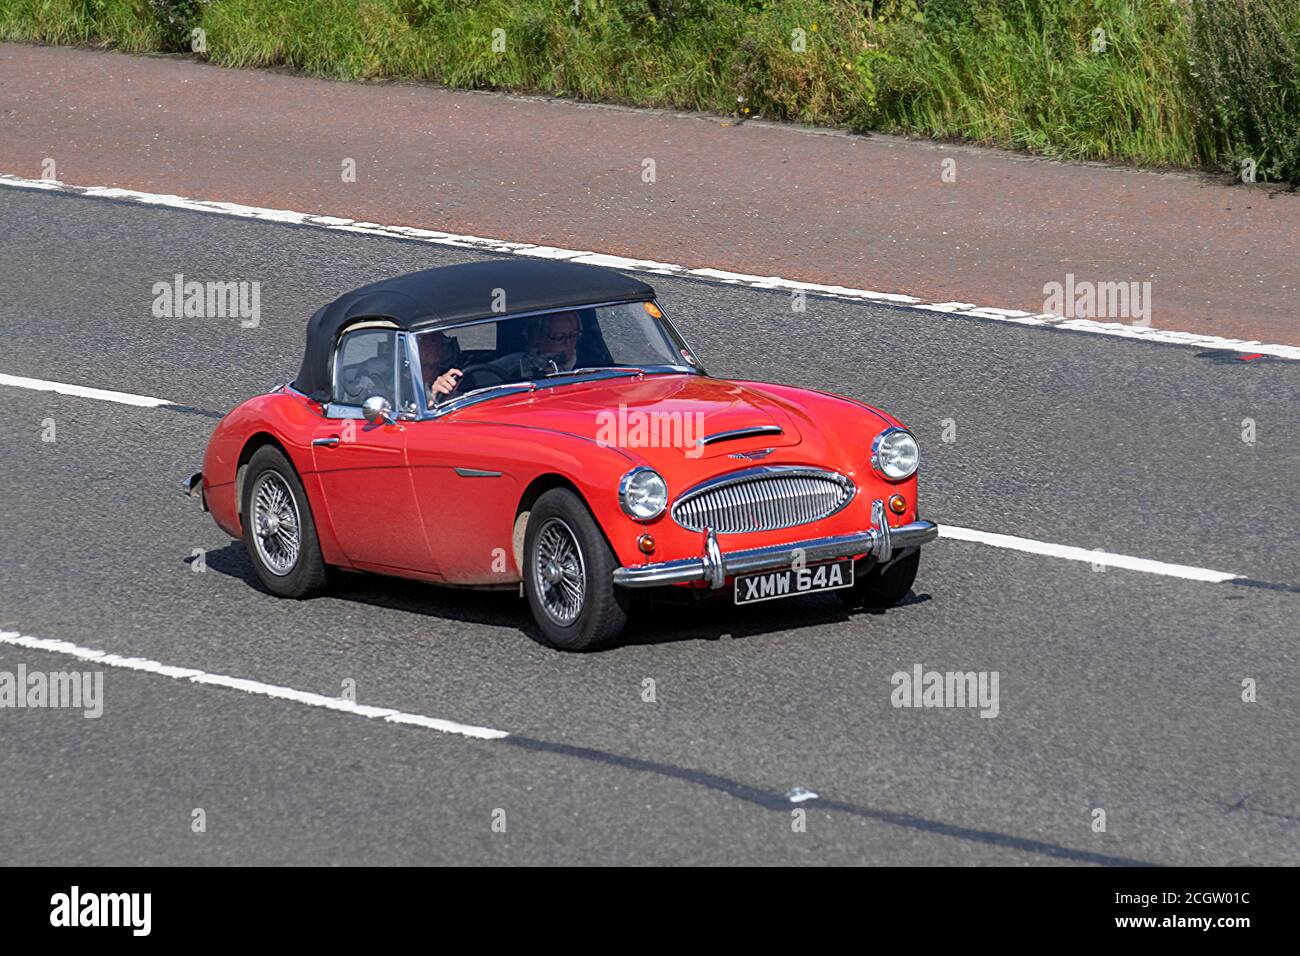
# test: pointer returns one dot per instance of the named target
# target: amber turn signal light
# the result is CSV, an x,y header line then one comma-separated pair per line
x,y
646,544
898,504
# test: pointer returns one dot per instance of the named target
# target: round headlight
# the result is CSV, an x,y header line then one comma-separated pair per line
x,y
895,454
643,493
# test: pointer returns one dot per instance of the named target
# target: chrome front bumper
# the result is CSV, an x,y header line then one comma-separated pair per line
x,y
880,542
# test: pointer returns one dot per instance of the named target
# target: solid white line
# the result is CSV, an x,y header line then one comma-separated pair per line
x,y
81,391
1044,320
143,665
1102,558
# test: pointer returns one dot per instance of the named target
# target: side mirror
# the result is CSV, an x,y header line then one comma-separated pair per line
x,y
377,410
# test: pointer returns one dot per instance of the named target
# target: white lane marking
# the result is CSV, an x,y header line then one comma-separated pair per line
x,y
81,391
1044,320
143,665
1105,558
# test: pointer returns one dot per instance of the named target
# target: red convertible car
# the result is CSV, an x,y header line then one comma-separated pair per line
x,y
542,425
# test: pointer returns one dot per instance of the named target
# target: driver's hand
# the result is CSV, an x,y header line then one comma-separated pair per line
x,y
446,383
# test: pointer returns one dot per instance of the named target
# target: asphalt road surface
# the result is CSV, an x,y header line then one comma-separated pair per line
x,y
1119,691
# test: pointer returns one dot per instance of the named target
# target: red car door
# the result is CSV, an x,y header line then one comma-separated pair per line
x,y
465,476
369,494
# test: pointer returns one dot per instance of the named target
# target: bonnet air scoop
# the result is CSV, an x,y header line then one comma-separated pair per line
x,y
735,434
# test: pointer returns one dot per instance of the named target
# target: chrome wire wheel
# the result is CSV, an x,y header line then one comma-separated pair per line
x,y
559,573
277,529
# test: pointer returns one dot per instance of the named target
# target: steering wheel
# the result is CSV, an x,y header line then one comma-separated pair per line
x,y
481,376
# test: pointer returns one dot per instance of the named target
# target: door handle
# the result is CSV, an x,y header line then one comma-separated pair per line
x,y
332,442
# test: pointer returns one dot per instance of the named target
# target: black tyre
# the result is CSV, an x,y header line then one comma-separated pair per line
x,y
568,575
877,588
279,532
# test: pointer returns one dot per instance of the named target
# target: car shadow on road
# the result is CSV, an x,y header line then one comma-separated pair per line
x,y
652,621
494,608
717,616
782,803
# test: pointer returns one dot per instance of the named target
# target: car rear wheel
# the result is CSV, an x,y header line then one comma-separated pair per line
x,y
279,531
568,575
876,587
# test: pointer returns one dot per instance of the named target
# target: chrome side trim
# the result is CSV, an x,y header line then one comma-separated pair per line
x,y
477,473
741,433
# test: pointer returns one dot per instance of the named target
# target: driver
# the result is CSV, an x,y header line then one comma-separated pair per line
x,y
438,354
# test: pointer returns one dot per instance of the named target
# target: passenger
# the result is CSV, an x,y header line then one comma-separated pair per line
x,y
557,334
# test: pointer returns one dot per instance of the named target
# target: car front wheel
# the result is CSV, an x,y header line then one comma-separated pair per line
x,y
279,532
568,575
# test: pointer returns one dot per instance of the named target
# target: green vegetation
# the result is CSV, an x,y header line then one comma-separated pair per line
x,y
131,25
1208,83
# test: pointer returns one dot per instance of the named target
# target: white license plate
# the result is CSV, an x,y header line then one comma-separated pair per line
x,y
772,585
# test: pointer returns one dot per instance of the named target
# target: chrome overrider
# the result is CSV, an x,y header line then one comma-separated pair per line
x,y
880,542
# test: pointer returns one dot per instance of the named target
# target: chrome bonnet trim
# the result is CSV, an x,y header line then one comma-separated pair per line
x,y
736,433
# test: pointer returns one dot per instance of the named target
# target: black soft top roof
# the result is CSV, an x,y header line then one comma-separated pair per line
x,y
450,295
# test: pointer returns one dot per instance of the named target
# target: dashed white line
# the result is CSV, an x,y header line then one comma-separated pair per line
x,y
81,391
1045,320
146,666
1098,557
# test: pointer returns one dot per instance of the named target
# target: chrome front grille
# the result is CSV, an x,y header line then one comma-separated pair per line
x,y
763,499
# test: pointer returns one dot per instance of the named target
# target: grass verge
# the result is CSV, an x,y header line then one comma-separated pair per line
x,y
1184,83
